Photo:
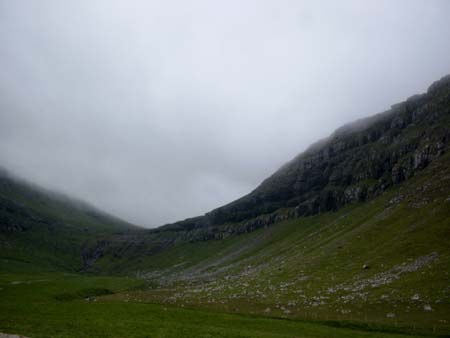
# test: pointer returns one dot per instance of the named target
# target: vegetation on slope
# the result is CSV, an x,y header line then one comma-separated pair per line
x,y
33,306
40,229
361,239
385,262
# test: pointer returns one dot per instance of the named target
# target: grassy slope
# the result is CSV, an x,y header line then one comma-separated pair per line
x,y
51,305
56,228
312,267
308,269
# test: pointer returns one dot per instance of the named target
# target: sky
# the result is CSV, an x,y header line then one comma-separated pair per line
x,y
156,111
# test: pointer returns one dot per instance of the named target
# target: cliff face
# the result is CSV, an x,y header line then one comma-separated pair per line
x,y
357,162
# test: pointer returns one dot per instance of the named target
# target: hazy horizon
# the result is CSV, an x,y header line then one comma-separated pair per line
x,y
156,112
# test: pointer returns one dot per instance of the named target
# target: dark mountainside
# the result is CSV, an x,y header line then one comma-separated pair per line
x,y
356,163
14,189
48,228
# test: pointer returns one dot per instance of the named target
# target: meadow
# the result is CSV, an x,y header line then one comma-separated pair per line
x,y
69,305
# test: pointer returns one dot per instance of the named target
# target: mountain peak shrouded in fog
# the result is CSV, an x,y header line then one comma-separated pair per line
x,y
157,112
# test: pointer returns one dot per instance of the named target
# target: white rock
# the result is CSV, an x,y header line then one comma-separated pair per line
x,y
427,307
415,297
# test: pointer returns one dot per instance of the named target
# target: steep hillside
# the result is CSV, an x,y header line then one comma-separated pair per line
x,y
361,234
356,163
44,229
384,263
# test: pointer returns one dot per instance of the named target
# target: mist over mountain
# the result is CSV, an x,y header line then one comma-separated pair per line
x,y
157,112
353,232
357,162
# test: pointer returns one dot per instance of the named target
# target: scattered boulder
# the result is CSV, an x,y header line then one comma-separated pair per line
x,y
427,307
415,297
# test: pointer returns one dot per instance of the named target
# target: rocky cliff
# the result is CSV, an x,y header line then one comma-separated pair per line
x,y
357,162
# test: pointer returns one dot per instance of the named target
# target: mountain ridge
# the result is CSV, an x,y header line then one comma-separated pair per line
x,y
8,177
44,228
356,163
263,200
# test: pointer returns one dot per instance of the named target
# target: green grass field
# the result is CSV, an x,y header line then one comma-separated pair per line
x,y
55,305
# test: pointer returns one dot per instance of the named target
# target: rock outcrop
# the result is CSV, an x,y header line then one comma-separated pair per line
x,y
357,162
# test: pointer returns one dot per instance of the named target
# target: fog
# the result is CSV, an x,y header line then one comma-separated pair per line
x,y
160,110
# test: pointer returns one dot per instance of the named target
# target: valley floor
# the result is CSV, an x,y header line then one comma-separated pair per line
x,y
67,305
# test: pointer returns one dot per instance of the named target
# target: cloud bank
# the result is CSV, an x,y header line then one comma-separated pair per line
x,y
160,110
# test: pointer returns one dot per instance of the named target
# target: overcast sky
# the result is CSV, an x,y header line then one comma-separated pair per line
x,y
160,110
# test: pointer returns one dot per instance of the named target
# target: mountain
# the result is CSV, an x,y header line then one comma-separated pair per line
x,y
39,227
354,229
384,262
356,163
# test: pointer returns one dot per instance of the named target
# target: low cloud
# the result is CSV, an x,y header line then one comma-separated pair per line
x,y
158,111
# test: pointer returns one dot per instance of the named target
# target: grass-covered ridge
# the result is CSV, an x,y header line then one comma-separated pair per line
x,y
385,263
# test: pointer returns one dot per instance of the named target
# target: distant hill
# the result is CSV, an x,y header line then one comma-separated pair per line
x,y
39,227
